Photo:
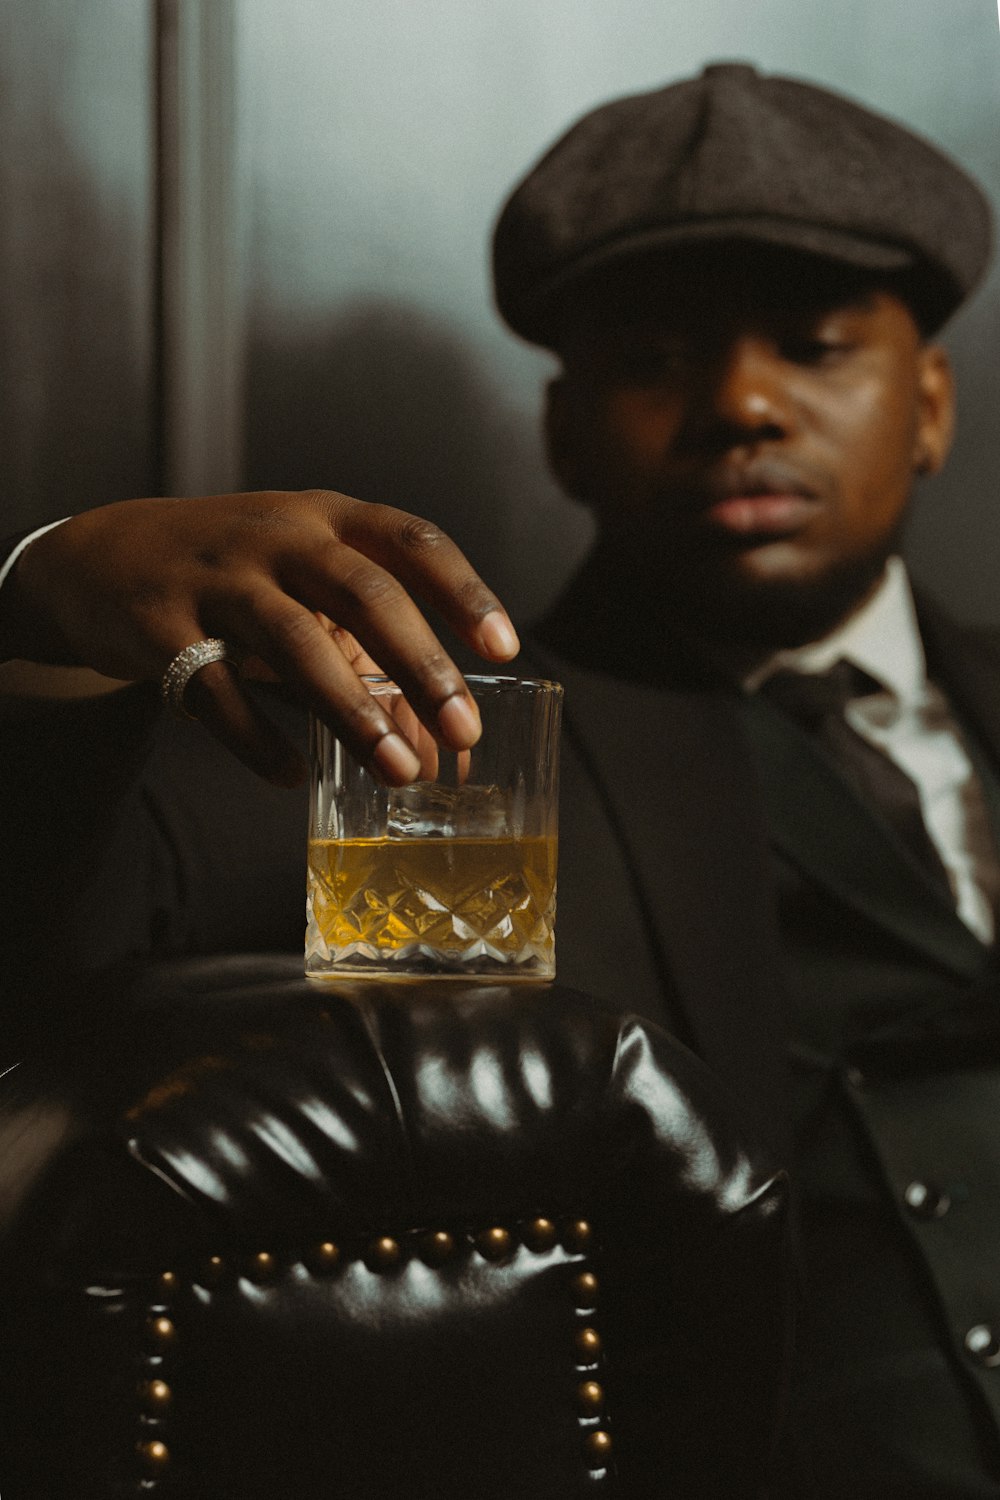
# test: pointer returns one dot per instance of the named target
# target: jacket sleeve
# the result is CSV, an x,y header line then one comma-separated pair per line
x,y
130,835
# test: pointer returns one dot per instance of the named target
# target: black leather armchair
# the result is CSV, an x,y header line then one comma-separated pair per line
x,y
267,1240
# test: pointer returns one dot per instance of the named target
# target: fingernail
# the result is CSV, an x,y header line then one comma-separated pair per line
x,y
459,722
396,758
498,635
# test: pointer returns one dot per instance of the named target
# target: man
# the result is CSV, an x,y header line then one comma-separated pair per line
x,y
741,276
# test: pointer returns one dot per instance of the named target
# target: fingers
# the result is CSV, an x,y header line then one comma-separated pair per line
x,y
377,609
427,561
215,698
124,587
422,742
290,639
352,649
341,560
410,726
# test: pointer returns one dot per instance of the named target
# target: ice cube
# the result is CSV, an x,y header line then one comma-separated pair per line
x,y
427,809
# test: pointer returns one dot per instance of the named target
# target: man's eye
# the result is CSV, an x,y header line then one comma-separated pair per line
x,y
813,351
650,363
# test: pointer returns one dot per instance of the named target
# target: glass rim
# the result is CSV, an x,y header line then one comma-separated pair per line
x,y
475,679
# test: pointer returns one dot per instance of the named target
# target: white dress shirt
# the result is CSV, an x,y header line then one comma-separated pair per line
x,y
7,563
911,721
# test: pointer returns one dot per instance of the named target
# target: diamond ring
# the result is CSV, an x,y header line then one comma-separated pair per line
x,y
185,664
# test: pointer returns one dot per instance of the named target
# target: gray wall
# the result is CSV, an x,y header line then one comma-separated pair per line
x,y
344,175
76,256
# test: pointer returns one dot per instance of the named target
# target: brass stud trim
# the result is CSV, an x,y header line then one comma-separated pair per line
x,y
494,1244
577,1235
540,1234
588,1344
323,1258
589,1397
212,1272
161,1331
597,1447
154,1456
262,1267
589,1394
155,1395
384,1253
436,1247
585,1289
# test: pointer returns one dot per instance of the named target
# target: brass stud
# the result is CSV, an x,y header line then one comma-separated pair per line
x,y
384,1253
588,1344
213,1271
155,1396
494,1244
577,1234
263,1267
590,1397
323,1258
168,1283
436,1247
154,1456
540,1234
597,1447
161,1331
585,1289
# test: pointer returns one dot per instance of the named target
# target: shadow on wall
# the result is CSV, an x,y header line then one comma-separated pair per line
x,y
389,405
75,345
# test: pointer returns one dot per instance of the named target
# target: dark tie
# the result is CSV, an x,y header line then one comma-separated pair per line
x,y
817,701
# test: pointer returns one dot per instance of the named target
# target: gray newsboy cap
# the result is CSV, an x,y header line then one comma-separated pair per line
x,y
734,154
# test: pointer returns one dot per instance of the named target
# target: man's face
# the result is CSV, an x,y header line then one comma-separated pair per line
x,y
746,425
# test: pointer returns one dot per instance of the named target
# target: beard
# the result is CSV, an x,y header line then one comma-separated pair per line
x,y
782,613
699,597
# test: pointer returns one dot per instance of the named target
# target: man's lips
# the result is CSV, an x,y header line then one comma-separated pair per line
x,y
764,515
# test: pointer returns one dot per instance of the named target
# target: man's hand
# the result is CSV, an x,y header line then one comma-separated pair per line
x,y
313,585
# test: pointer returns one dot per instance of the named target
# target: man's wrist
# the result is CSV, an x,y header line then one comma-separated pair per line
x,y
12,549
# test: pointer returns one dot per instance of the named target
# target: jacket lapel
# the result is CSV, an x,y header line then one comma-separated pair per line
x,y
817,820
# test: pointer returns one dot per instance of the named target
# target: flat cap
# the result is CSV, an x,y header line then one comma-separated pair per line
x,y
736,154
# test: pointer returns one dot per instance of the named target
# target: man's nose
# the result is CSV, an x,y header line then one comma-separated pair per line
x,y
743,394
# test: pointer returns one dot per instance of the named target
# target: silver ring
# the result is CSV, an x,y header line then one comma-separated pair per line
x,y
185,664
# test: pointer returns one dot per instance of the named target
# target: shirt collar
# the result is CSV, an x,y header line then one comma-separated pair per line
x,y
882,638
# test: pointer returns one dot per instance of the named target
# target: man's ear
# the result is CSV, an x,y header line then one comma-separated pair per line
x,y
935,410
563,445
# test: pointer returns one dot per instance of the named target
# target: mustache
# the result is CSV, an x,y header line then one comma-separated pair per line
x,y
755,476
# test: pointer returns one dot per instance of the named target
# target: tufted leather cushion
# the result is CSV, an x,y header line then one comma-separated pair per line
x,y
262,1239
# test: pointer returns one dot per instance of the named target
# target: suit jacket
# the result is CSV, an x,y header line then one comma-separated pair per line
x,y
685,820
792,941
686,810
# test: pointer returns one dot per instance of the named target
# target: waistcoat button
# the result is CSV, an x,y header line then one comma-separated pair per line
x,y
981,1343
925,1201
